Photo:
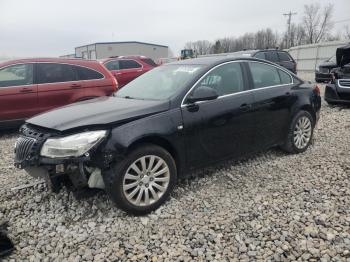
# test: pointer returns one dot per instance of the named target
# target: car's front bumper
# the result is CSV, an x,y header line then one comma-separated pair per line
x,y
323,77
76,171
332,94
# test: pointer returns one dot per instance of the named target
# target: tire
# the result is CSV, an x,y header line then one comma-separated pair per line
x,y
124,179
291,144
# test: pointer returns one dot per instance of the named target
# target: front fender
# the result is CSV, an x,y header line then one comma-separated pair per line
x,y
165,125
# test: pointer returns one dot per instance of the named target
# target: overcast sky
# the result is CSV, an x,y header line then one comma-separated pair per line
x,y
55,27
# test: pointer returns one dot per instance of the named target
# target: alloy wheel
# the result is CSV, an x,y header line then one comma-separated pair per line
x,y
146,180
302,132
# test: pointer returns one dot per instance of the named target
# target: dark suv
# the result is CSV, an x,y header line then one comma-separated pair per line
x,y
276,56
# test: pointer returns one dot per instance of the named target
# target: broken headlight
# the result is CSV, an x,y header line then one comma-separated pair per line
x,y
73,145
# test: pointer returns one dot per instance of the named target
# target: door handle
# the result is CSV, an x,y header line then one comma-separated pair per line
x,y
244,107
26,90
287,93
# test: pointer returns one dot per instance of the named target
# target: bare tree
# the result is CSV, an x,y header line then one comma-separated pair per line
x,y
201,47
297,35
317,22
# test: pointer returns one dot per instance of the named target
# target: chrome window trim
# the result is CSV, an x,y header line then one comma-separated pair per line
x,y
342,85
237,93
14,65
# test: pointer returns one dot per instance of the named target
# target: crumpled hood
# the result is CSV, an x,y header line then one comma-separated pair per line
x,y
99,111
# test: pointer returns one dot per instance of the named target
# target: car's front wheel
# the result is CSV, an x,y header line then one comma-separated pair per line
x,y
300,133
143,180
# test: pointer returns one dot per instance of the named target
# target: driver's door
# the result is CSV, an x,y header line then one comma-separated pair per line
x,y
223,127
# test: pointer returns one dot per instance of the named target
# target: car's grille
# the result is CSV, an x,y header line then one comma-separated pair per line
x,y
28,145
24,148
344,83
324,70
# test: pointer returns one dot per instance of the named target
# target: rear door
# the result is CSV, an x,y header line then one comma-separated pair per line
x,y
129,69
18,93
272,56
58,85
113,67
95,83
286,61
273,100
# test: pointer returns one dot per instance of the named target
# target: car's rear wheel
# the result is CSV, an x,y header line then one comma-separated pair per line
x,y
300,133
143,180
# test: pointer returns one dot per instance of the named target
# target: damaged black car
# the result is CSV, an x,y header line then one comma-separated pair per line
x,y
175,118
338,91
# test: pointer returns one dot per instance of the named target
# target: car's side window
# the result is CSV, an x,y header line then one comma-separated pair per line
x,y
272,56
285,78
87,74
16,75
112,65
54,73
260,55
284,57
264,75
128,64
225,79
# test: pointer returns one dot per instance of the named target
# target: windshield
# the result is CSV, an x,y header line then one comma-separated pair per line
x,y
160,83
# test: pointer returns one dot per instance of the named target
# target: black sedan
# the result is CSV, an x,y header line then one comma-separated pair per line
x,y
173,119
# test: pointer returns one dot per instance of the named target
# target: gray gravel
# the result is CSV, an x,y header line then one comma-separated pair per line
x,y
272,206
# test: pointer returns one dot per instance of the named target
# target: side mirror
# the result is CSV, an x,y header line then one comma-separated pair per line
x,y
202,93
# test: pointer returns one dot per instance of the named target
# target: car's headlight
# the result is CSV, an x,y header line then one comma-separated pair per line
x,y
73,145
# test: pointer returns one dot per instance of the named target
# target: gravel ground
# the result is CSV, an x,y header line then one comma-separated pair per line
x,y
272,206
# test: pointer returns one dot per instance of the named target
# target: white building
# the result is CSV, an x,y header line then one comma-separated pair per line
x,y
108,49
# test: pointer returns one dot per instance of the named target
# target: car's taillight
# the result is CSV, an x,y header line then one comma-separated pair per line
x,y
317,90
295,68
114,83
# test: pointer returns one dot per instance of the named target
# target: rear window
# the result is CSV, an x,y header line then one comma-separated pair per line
x,y
128,64
260,55
149,61
272,56
54,73
285,78
87,74
112,65
284,56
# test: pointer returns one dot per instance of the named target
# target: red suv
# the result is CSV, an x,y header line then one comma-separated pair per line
x,y
127,68
32,86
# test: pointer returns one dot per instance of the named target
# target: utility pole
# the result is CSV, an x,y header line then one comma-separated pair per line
x,y
289,22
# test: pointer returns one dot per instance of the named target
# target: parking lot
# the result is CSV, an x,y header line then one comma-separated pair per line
x,y
270,206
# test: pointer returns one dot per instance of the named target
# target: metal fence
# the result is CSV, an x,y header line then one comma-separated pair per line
x,y
308,57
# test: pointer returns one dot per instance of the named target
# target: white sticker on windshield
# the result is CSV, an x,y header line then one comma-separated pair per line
x,y
187,69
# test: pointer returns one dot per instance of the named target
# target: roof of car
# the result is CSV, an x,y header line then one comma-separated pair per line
x,y
211,60
49,59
